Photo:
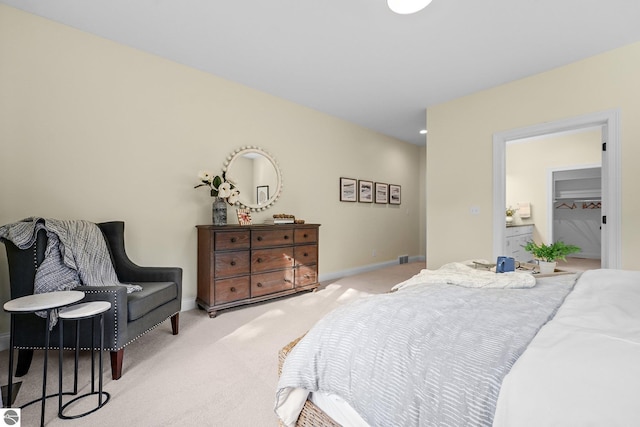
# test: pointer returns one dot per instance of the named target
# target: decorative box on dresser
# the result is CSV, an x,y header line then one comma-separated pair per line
x,y
240,265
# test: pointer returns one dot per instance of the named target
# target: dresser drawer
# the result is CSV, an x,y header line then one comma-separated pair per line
x,y
307,254
271,259
306,275
271,237
231,263
268,283
518,230
228,290
229,240
305,235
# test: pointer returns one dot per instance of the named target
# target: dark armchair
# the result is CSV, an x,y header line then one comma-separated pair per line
x,y
131,315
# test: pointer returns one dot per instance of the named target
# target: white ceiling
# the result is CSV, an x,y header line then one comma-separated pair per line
x,y
355,59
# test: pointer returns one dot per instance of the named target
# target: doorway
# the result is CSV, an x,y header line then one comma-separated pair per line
x,y
554,176
608,121
576,204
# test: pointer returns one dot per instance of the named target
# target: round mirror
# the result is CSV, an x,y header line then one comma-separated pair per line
x,y
255,173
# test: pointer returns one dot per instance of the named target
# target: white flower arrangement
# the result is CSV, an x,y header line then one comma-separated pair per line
x,y
220,186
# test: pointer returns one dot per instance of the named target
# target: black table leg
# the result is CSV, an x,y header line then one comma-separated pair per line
x,y
10,385
46,361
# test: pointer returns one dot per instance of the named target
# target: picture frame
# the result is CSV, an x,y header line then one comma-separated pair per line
x,y
348,189
395,194
365,191
262,194
382,193
244,216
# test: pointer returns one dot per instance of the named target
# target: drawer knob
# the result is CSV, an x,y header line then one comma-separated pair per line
x,y
287,280
306,235
232,289
306,254
233,240
259,239
286,237
259,260
259,285
233,263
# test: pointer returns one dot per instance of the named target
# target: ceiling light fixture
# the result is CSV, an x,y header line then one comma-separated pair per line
x,y
423,132
405,7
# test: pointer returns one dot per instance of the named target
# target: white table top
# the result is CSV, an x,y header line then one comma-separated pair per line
x,y
84,309
45,301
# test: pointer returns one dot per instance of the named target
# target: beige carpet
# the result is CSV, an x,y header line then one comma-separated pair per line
x,y
579,264
216,372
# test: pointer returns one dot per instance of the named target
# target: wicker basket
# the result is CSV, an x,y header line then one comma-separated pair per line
x,y
311,415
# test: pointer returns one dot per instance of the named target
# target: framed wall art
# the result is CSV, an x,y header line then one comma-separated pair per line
x,y
244,216
394,194
365,191
348,190
382,193
262,194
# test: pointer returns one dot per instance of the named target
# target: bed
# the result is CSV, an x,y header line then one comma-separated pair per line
x,y
460,347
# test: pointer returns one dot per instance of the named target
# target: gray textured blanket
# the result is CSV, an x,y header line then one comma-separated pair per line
x,y
76,254
426,355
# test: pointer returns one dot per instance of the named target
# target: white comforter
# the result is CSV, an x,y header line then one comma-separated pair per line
x,y
583,367
459,274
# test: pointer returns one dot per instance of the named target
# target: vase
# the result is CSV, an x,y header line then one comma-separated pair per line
x,y
219,211
547,267
509,220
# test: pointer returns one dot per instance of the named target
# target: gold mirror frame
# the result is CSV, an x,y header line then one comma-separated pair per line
x,y
247,184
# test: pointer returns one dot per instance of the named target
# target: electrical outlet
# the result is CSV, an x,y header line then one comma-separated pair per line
x,y
475,210
373,253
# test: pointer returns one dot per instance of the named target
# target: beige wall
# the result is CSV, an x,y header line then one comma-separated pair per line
x,y
95,130
459,148
529,163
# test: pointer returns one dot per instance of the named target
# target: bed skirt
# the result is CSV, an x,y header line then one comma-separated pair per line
x,y
311,415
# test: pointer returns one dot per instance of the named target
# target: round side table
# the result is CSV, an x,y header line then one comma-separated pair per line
x,y
86,310
30,304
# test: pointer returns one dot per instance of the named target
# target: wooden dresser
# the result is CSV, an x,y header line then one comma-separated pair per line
x,y
240,265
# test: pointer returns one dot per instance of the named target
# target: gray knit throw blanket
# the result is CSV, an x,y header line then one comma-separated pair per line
x,y
76,254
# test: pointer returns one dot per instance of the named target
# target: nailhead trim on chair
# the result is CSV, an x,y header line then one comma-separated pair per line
x,y
150,329
108,348
115,313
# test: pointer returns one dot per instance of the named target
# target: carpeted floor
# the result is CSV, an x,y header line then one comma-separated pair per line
x,y
216,372
579,264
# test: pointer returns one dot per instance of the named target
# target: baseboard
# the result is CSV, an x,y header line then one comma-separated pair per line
x,y
188,304
363,269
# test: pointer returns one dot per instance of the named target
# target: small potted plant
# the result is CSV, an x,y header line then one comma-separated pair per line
x,y
509,213
548,255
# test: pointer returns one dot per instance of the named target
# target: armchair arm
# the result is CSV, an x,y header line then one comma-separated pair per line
x,y
115,320
133,273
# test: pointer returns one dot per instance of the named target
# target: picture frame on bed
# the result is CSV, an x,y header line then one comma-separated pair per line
x,y
365,191
348,190
382,193
394,194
